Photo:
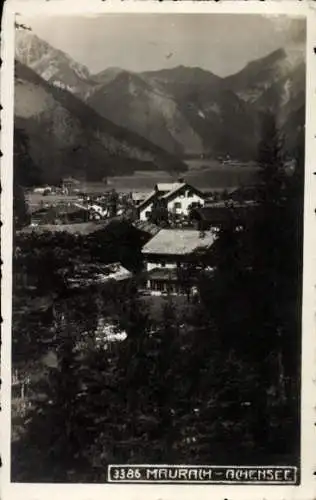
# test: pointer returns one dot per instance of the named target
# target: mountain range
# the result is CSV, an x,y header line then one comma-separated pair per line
x,y
67,137
161,116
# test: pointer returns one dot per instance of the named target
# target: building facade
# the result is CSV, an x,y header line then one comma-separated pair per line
x,y
179,197
172,258
222,214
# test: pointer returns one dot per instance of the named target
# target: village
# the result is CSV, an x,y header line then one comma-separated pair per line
x,y
155,280
179,221
105,243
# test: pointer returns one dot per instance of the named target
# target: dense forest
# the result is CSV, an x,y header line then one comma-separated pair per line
x,y
217,382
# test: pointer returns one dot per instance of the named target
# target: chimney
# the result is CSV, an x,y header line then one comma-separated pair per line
x,y
181,180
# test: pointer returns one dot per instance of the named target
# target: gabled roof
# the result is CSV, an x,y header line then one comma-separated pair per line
x,y
180,186
152,195
172,190
178,242
176,188
71,179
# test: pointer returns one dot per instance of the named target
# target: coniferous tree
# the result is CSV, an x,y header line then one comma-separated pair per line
x,y
25,174
113,203
254,297
159,214
274,287
269,236
51,446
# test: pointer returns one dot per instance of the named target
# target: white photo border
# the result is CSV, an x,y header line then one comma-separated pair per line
x,y
306,490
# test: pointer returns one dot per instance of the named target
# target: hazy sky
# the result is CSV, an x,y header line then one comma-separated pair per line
x,y
221,43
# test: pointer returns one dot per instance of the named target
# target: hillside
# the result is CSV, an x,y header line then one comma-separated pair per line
x,y
54,66
259,76
276,83
182,79
192,111
145,107
67,137
273,82
186,111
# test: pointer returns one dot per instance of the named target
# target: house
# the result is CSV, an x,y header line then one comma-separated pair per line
x,y
173,252
43,190
77,229
69,185
217,215
138,197
97,212
60,214
177,196
85,275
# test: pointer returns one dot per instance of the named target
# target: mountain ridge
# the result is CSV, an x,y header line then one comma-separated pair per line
x,y
191,111
53,65
59,122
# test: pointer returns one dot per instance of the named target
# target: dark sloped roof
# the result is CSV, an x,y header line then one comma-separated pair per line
x,y
221,211
146,227
92,274
83,228
71,179
148,199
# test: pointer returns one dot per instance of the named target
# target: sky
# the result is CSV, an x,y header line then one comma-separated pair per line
x,y
221,43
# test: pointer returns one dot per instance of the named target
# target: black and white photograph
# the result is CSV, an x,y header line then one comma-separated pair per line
x,y
157,247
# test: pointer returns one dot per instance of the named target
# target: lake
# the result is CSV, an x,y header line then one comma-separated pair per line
x,y
203,174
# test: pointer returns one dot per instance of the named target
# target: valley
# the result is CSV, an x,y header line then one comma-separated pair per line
x,y
117,123
156,266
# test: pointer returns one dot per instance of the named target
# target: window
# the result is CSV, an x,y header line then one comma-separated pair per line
x,y
195,204
157,285
177,204
189,194
147,214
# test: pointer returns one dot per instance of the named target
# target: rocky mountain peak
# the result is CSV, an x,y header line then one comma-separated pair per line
x,y
51,64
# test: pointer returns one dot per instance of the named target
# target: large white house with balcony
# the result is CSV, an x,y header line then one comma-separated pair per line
x,y
169,254
178,197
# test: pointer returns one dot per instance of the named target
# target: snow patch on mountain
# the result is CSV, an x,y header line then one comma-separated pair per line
x,y
63,86
80,70
49,72
287,92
